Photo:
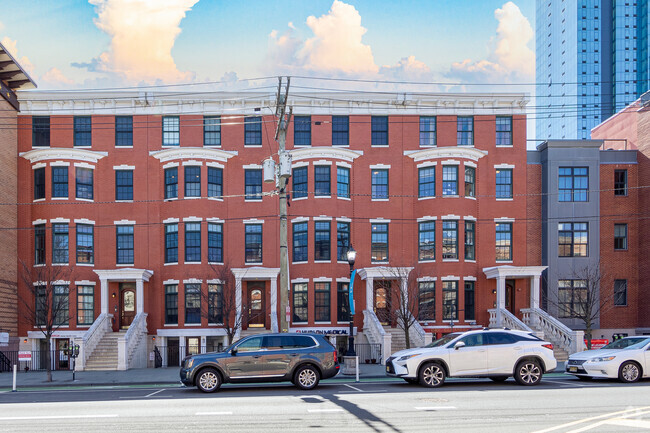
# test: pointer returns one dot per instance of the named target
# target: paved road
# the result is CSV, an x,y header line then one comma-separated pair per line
x,y
558,404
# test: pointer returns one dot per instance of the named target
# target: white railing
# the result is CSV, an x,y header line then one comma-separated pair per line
x,y
91,337
508,320
418,336
376,334
554,330
132,348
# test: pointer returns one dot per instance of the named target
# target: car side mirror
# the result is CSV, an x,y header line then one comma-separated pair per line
x,y
233,351
459,345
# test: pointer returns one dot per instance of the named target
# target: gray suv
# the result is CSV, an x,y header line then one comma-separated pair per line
x,y
303,359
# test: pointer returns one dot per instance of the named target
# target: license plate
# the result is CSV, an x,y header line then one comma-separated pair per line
x,y
387,369
573,369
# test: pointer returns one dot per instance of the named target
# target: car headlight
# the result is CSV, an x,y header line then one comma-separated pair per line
x,y
190,363
405,357
601,359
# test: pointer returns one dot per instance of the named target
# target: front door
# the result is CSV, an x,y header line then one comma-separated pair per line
x,y
127,304
61,361
382,301
510,296
256,308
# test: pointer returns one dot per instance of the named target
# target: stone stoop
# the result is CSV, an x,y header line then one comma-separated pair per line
x,y
104,357
397,338
560,354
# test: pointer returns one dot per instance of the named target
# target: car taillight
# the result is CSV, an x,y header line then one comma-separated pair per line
x,y
336,358
548,346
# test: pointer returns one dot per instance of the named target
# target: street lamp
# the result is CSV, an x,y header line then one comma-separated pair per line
x,y
352,255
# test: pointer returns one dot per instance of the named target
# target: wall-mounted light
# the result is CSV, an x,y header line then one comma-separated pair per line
x,y
25,340
494,291
153,338
113,295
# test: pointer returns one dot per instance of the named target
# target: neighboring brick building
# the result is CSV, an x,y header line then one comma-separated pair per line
x,y
12,78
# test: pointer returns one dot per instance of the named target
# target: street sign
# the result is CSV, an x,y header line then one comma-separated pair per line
x,y
597,343
24,355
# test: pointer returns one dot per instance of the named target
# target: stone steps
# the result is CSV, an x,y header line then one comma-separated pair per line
x,y
104,356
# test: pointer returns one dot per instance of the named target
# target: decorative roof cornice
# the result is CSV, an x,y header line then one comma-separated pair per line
x,y
446,152
50,153
193,153
325,152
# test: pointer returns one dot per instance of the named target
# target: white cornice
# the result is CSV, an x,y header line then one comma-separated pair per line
x,y
446,152
51,153
193,153
325,152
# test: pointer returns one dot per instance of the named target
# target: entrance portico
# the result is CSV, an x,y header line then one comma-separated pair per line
x,y
257,273
139,276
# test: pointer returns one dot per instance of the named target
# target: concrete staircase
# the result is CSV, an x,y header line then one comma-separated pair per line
x,y
560,354
397,338
104,357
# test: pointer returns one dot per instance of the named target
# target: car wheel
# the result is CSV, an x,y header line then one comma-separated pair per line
x,y
528,372
306,377
498,378
432,375
629,372
411,381
208,380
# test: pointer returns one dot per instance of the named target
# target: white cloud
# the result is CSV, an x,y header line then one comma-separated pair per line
x,y
12,46
407,69
509,59
142,36
54,78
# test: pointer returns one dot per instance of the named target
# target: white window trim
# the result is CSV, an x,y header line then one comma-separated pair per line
x,y
215,220
85,283
39,221
192,219
299,220
84,221
192,162
344,220
450,217
504,220
39,165
170,165
300,164
450,162
252,166
171,220
214,164
124,223
193,281
450,278
300,280
379,221
469,278
84,165
379,199
322,218
215,281
253,221
380,166
169,282
322,162
322,280
505,166
425,279
427,218
59,220
59,164
469,218
427,164
124,167
470,164
344,164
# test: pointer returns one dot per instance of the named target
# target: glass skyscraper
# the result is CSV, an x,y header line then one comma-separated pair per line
x,y
592,61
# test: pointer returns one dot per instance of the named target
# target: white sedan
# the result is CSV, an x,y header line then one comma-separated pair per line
x,y
627,359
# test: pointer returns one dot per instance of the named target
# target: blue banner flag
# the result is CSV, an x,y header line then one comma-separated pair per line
x,y
351,291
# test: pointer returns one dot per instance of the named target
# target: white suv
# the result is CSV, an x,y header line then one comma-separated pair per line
x,y
494,353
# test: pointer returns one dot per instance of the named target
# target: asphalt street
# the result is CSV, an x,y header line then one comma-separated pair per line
x,y
558,404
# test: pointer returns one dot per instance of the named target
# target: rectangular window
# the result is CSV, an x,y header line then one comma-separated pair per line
x,y
124,245
171,243
343,182
215,303
379,134
85,305
300,242
379,243
40,131
211,131
427,182
322,302
84,183
573,184
193,181
340,130
573,239
620,236
171,304
82,131
41,305
470,182
342,302
215,243
620,292
253,184
171,133
300,303
427,131
322,241
504,242
302,130
620,182
39,183
215,182
85,243
342,241
470,240
450,300
39,244
300,182
192,303
465,131
123,131
192,242
427,242
427,300
253,131
253,243
504,131
504,183
469,300
61,305
379,181
60,243
59,182
123,184
572,298
322,180
449,180
449,239
171,182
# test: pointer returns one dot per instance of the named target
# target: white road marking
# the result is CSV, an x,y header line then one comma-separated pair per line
x,y
578,384
436,408
20,418
212,413
155,392
350,386
324,410
618,414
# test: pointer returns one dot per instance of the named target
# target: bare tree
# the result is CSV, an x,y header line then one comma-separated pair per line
x,y
220,302
46,301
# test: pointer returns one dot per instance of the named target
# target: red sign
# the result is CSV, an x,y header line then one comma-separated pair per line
x,y
24,355
597,343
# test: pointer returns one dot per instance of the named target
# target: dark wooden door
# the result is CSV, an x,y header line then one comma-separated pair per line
x,y
510,296
382,301
127,304
256,307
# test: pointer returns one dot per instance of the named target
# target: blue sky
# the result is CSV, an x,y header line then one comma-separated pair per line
x,y
100,43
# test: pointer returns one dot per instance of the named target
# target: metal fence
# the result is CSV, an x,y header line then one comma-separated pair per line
x,y
368,353
172,356
58,360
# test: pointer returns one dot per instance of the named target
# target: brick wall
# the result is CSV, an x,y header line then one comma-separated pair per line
x,y
534,215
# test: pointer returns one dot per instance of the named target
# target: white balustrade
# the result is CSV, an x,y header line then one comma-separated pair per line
x,y
91,338
554,330
132,347
376,333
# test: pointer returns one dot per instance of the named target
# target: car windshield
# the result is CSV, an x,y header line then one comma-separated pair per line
x,y
627,343
444,340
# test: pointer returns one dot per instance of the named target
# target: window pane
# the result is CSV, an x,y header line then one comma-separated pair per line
x,y
253,243
123,185
59,182
427,243
379,184
300,242
427,182
379,134
427,131
343,182
302,130
322,180
379,243
300,182
340,131
123,130
253,184
253,131
300,303
322,240
171,131
211,131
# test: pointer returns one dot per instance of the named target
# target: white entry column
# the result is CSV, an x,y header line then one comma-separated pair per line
x,y
139,295
274,305
370,293
501,298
